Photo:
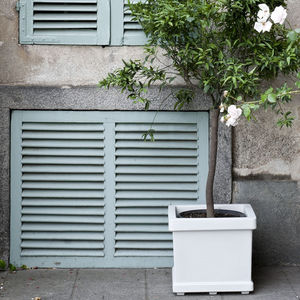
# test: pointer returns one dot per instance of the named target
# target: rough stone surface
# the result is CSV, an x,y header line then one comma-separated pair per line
x,y
270,283
277,208
90,98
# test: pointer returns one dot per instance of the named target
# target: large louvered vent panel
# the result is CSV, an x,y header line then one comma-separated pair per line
x,y
149,177
62,189
65,17
133,32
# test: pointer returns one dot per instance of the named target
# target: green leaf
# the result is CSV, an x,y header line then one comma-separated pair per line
x,y
272,98
292,35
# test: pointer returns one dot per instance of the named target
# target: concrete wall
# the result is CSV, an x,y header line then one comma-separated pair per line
x,y
266,160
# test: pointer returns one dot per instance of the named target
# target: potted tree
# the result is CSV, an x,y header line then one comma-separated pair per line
x,y
231,51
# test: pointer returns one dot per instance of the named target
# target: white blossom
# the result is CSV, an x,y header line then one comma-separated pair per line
x,y
262,26
225,93
231,122
279,15
264,13
264,7
222,119
262,16
234,112
222,107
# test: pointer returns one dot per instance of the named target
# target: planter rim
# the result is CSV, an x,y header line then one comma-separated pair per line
x,y
201,224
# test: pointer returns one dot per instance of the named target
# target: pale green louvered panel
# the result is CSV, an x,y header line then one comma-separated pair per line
x,y
64,22
149,177
62,189
86,191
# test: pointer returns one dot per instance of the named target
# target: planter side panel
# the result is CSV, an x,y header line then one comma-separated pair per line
x,y
197,256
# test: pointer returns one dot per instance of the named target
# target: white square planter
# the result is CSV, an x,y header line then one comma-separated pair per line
x,y
212,254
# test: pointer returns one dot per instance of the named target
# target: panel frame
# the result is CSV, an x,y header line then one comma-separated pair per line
x,y
26,35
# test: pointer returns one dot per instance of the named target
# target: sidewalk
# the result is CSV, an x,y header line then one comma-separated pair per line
x,y
271,283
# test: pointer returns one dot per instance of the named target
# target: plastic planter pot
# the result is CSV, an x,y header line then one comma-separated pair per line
x,y
212,254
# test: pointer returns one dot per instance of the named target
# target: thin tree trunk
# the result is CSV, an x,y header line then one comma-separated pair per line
x,y
212,162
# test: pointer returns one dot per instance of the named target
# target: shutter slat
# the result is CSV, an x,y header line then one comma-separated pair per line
x,y
150,194
141,161
62,144
138,236
142,253
63,135
152,203
61,252
62,152
154,178
72,227
64,17
89,236
157,127
156,170
43,160
63,177
62,219
65,7
63,202
156,152
62,169
66,211
157,186
65,1
55,126
157,144
141,220
141,211
62,244
141,228
186,136
144,245
62,186
65,25
62,194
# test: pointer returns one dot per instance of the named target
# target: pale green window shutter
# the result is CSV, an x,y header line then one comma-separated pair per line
x,y
87,191
125,31
76,22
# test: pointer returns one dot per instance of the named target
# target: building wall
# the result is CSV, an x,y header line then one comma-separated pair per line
x,y
266,160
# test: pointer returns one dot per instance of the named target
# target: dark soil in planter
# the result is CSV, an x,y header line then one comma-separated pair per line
x,y
219,213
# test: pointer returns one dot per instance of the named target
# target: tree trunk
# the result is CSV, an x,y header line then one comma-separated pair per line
x,y
212,162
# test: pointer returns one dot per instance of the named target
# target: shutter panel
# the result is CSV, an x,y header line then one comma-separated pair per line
x,y
62,189
64,22
149,177
125,31
87,191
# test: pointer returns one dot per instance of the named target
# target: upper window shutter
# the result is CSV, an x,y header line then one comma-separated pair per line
x,y
125,31
76,22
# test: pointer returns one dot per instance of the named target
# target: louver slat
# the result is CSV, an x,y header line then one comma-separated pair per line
x,y
62,190
148,179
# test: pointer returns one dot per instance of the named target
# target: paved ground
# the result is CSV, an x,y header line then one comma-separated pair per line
x,y
271,283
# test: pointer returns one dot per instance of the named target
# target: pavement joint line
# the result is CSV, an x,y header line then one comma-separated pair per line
x,y
74,285
146,285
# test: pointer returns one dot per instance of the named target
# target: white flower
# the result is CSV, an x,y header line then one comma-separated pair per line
x,y
262,26
264,13
264,7
225,93
222,107
231,122
279,15
262,16
222,119
234,112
